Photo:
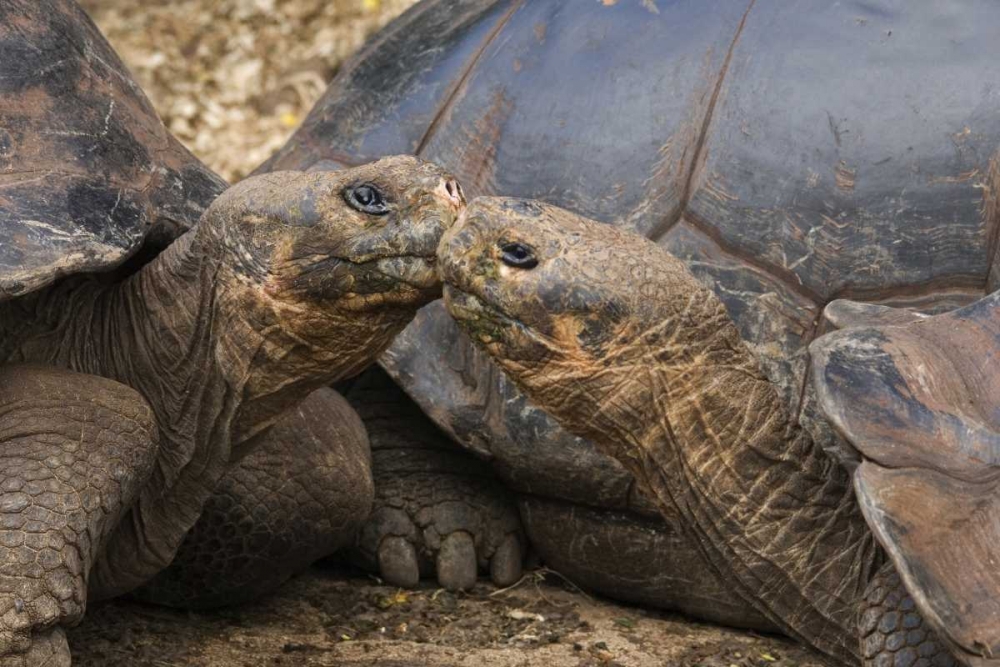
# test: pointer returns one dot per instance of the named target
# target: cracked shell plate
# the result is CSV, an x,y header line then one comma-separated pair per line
x,y
88,172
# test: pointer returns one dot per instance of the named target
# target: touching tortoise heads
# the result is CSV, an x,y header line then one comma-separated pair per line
x,y
354,240
535,284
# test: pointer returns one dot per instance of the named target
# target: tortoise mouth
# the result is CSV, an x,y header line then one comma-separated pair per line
x,y
357,285
484,322
466,307
419,272
394,281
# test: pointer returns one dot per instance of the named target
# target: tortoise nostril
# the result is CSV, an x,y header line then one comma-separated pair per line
x,y
454,190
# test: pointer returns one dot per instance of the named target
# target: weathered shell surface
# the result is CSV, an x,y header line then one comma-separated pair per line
x,y
88,173
921,401
791,154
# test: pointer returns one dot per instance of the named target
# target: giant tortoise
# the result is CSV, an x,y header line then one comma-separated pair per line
x,y
618,340
789,154
136,371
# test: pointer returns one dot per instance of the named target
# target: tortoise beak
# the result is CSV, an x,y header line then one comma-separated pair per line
x,y
417,272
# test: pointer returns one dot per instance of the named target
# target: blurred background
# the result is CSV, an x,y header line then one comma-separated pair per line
x,y
233,78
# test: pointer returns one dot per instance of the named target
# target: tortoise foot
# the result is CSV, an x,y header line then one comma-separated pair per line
x,y
436,517
439,512
301,494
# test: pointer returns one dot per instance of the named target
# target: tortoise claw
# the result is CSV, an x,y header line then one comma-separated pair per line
x,y
397,562
456,562
506,565
437,525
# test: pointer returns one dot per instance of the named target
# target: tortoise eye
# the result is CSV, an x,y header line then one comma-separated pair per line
x,y
518,255
366,198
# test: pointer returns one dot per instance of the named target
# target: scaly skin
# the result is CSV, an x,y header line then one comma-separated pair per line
x,y
622,345
282,287
74,450
298,496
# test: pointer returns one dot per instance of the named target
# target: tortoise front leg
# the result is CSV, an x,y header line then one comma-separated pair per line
x,y
74,452
48,649
892,631
301,494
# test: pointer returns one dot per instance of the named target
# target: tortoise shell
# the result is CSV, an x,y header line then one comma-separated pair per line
x,y
88,172
921,401
790,154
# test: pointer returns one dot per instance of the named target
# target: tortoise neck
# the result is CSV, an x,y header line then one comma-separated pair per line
x,y
206,325
710,435
148,331
775,513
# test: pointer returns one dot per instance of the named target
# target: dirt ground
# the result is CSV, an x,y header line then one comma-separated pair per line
x,y
336,617
233,78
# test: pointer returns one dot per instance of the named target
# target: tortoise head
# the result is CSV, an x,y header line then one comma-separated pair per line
x,y
559,300
357,240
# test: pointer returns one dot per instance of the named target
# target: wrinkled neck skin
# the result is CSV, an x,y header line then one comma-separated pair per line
x,y
217,363
685,407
